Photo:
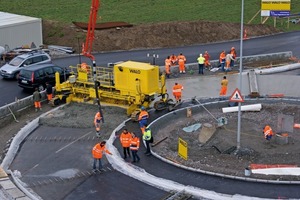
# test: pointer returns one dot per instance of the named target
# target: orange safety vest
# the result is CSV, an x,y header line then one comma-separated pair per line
x,y
268,131
98,151
135,143
143,115
222,57
177,90
125,139
173,59
97,118
181,57
167,65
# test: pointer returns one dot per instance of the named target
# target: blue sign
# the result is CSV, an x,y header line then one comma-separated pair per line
x,y
279,13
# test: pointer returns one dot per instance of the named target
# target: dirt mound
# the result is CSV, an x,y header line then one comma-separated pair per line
x,y
169,34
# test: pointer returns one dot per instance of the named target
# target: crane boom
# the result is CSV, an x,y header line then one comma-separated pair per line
x,y
88,46
90,36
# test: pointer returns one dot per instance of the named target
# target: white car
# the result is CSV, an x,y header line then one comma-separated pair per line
x,y
11,70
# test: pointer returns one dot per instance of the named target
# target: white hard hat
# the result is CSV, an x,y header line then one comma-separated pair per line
x,y
200,54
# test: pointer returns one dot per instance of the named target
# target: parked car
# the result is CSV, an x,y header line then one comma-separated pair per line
x,y
37,76
12,69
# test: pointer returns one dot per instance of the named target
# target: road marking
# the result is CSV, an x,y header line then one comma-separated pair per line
x,y
72,142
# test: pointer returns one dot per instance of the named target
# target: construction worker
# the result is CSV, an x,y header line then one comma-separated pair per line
x,y
181,62
134,147
37,97
229,58
168,66
233,53
84,67
222,59
201,61
224,84
49,91
143,119
147,138
125,139
177,92
97,121
173,60
268,132
207,60
97,153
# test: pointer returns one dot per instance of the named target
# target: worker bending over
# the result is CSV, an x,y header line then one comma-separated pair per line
x,y
177,92
268,132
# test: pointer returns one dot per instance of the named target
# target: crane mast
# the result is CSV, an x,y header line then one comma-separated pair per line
x,y
88,46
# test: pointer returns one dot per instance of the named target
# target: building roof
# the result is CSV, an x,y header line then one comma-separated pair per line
x,y
9,19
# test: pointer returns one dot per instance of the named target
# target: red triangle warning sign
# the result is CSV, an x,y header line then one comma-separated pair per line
x,y
236,96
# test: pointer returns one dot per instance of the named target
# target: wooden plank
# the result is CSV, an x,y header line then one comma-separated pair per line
x,y
2,173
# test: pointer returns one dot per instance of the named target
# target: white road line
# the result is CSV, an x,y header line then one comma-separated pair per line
x,y
72,142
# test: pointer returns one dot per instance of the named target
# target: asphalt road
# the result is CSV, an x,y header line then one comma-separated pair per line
x,y
261,45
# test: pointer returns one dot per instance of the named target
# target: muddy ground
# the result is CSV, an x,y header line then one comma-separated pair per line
x,y
168,34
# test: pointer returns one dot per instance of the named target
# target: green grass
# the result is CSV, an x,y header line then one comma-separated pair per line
x,y
142,11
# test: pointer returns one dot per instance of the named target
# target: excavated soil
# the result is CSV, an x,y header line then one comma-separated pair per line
x,y
168,34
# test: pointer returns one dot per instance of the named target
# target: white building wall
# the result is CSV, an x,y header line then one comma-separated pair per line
x,y
17,30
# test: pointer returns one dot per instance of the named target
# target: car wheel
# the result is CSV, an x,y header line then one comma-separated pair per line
x,y
16,75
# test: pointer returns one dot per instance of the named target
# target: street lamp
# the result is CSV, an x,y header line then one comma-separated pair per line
x,y
238,145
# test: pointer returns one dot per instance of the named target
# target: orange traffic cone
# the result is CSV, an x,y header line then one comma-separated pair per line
x,y
245,34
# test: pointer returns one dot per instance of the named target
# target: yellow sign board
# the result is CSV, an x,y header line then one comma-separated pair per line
x,y
276,5
182,149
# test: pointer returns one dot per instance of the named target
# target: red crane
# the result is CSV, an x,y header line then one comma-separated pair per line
x,y
88,46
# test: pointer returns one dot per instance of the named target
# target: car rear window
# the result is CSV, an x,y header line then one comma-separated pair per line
x,y
25,74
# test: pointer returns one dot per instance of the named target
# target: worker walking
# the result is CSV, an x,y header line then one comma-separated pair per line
x,y
207,60
222,59
201,61
134,147
143,119
97,121
168,66
147,137
97,152
224,84
49,91
177,92
181,62
125,139
268,132
37,97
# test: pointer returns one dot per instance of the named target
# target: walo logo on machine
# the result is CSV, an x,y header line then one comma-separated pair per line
x,y
135,71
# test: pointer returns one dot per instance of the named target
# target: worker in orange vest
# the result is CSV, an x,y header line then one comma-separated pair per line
x,y
233,53
222,60
125,139
97,153
84,66
173,60
168,66
134,147
97,120
224,84
268,132
181,62
207,60
177,92
143,119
